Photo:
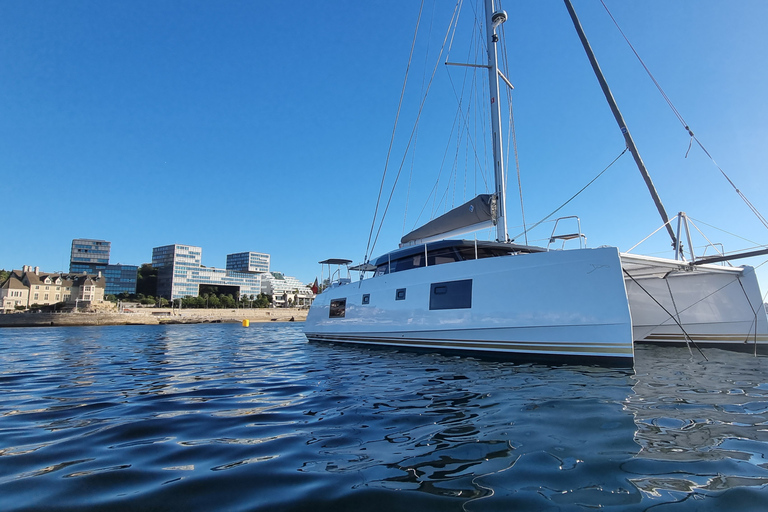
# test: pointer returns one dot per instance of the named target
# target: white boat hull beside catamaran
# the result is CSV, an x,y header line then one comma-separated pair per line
x,y
709,305
579,303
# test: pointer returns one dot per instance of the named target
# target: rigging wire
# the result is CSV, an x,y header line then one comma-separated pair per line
x,y
394,129
685,125
727,232
511,132
413,155
371,247
461,125
574,195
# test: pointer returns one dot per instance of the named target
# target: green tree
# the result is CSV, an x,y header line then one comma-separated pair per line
x,y
263,301
146,280
227,301
4,275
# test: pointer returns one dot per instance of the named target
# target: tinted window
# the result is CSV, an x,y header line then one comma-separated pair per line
x,y
338,308
451,295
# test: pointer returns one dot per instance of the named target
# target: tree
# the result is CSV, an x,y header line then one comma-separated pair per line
x,y
4,275
227,301
263,301
146,280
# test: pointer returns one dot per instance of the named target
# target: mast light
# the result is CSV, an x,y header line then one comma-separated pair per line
x,y
498,18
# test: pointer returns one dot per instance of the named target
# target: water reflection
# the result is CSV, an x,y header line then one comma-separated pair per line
x,y
698,419
221,417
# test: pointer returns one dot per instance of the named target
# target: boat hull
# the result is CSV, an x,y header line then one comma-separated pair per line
x,y
551,304
709,305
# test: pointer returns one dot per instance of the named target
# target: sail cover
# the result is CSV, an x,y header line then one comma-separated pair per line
x,y
476,212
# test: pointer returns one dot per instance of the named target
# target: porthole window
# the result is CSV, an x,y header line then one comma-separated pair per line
x,y
366,298
400,294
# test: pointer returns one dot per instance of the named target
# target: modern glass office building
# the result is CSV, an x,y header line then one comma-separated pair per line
x,y
92,257
180,273
120,279
89,256
248,262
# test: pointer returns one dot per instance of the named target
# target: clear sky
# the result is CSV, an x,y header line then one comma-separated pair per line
x,y
264,126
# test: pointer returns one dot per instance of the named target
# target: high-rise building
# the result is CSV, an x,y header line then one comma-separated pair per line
x,y
248,262
92,256
180,273
89,256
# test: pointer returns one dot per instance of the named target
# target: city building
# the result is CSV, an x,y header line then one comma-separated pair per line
x,y
286,291
92,256
121,279
31,287
180,273
248,262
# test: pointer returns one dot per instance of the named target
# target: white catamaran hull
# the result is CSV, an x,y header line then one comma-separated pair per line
x,y
559,303
584,303
709,305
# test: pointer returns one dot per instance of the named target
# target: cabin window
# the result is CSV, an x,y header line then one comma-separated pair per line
x,y
400,294
451,295
366,298
338,308
440,256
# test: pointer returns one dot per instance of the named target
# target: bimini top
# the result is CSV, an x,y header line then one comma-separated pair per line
x,y
335,261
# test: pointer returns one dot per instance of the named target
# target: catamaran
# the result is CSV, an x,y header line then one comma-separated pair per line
x,y
503,298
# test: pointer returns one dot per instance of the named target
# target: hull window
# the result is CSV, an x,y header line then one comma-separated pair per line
x,y
400,294
338,307
451,295
366,298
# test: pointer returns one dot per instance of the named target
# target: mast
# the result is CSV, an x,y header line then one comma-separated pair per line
x,y
620,120
493,20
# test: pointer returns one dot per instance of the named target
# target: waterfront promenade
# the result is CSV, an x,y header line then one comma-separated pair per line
x,y
153,316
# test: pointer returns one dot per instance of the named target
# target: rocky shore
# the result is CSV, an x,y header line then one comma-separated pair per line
x,y
153,316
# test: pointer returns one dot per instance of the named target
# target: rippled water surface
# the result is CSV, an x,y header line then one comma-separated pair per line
x,y
221,417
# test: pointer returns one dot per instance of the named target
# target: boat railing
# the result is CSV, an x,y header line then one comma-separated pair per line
x,y
335,277
582,238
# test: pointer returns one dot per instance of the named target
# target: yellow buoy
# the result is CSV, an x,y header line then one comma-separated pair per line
x,y
246,322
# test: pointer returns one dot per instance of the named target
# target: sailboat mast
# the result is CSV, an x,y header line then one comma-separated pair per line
x,y
493,20
620,119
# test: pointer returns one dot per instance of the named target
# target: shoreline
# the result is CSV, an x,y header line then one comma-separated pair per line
x,y
153,316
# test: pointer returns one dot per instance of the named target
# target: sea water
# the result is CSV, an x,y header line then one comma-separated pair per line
x,y
222,417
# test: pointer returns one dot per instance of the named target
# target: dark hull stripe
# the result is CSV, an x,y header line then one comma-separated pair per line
x,y
579,349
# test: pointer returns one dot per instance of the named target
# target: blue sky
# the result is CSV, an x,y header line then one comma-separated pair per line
x,y
265,126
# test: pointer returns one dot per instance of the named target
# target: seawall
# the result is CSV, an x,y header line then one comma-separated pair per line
x,y
153,316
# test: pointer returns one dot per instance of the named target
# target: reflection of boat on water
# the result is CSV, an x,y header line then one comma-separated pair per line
x,y
502,297
699,414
